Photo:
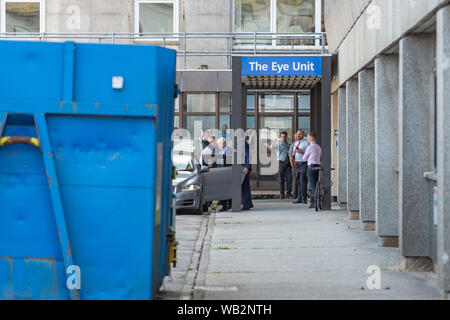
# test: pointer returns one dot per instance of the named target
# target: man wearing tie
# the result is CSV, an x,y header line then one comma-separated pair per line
x,y
300,166
313,156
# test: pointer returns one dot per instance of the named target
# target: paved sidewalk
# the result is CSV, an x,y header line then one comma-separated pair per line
x,y
188,229
282,251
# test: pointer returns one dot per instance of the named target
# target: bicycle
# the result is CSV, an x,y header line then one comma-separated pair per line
x,y
320,190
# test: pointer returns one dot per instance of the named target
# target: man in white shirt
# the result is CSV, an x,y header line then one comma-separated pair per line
x,y
300,166
208,156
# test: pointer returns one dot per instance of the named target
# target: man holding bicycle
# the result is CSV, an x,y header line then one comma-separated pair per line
x,y
313,156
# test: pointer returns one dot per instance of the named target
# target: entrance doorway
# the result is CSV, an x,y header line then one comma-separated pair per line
x,y
277,84
276,110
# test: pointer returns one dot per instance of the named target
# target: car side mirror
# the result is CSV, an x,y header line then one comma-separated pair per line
x,y
204,169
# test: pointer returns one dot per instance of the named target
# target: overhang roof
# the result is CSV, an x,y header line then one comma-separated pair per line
x,y
281,82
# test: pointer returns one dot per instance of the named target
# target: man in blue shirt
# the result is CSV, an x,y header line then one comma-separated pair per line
x,y
282,146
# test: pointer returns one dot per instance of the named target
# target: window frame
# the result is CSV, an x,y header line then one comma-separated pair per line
x,y
273,21
176,20
3,14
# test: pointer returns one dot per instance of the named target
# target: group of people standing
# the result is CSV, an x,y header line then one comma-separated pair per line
x,y
217,157
300,158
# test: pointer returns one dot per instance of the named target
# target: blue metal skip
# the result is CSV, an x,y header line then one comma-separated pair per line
x,y
85,170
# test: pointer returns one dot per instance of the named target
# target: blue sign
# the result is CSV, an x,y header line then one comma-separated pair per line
x,y
281,66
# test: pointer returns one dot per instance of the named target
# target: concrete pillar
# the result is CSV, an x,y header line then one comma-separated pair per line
x,y
325,130
367,148
443,145
415,146
238,122
352,149
317,110
342,169
386,149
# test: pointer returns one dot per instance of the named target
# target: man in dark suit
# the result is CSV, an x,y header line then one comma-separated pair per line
x,y
246,183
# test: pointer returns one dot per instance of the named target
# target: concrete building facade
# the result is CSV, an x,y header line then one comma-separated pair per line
x,y
207,34
397,54
385,131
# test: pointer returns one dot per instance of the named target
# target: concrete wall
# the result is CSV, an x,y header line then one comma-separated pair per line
x,y
362,29
206,16
416,128
352,134
341,15
108,16
89,16
205,81
342,149
408,43
386,154
443,115
118,16
334,143
366,80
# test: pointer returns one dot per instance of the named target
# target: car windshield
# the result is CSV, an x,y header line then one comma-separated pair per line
x,y
183,163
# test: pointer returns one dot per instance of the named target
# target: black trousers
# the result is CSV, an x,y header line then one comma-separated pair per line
x,y
285,177
302,181
313,177
247,192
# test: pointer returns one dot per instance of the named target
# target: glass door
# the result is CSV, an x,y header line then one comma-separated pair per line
x,y
268,174
271,113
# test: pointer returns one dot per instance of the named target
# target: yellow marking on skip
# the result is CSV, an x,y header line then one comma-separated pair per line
x,y
35,142
3,141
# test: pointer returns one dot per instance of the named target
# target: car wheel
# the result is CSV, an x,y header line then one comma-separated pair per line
x,y
199,210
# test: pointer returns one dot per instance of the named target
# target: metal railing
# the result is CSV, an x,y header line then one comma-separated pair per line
x,y
188,44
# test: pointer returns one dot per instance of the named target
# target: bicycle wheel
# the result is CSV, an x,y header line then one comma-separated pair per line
x,y
317,196
320,200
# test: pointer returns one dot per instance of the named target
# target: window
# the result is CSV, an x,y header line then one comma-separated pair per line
x,y
22,16
176,104
276,103
203,123
224,119
251,103
304,109
199,102
252,15
277,123
295,16
278,16
251,122
304,123
156,16
224,109
304,102
224,102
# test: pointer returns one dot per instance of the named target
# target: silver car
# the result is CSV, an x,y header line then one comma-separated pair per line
x,y
196,187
